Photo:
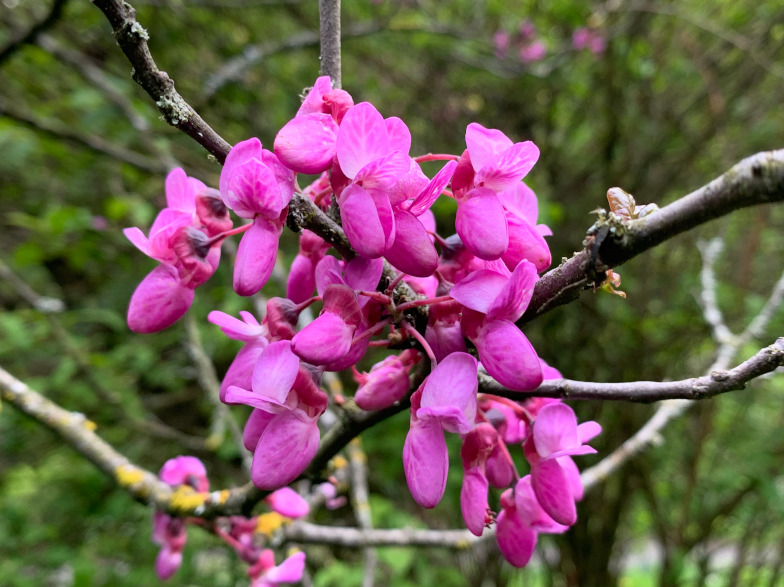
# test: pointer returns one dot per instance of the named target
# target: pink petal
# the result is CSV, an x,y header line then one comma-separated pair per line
x,y
481,224
433,189
253,189
520,200
288,502
158,301
307,143
412,251
342,301
478,290
283,176
551,487
256,255
453,383
445,338
426,463
314,101
361,222
531,513
363,274
254,428
484,144
508,357
240,372
239,154
275,372
244,330
526,242
498,469
324,340
515,295
399,135
473,500
573,476
138,240
179,193
167,562
302,279
512,166
383,173
285,449
329,271
177,470
555,429
588,430
289,571
352,357
362,138
385,215
516,541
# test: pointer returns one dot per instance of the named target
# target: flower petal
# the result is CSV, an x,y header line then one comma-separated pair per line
x,y
481,224
307,143
158,301
507,356
426,463
362,138
285,449
361,222
256,256
275,372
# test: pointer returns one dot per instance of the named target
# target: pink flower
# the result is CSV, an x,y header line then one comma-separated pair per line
x,y
501,40
446,401
288,502
302,275
534,51
265,574
387,381
257,186
477,447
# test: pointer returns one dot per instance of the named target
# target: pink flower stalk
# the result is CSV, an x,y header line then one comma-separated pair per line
x,y
257,186
177,241
386,383
556,437
494,301
446,401
478,444
288,502
168,532
265,574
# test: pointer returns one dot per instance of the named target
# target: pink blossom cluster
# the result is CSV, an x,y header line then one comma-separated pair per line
x,y
591,40
528,45
236,531
476,283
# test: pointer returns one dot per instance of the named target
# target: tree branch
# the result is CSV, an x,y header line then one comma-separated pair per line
x,y
329,33
758,179
696,388
30,35
301,531
132,38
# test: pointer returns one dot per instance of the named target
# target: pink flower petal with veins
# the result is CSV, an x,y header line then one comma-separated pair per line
x,y
314,101
181,191
516,541
512,166
362,138
507,356
473,500
481,224
254,428
515,295
289,571
520,200
307,143
399,135
426,463
240,372
275,372
478,290
244,330
361,222
253,189
288,502
256,256
551,487
239,154
412,251
158,301
285,449
526,242
382,173
363,274
433,189
485,144
324,340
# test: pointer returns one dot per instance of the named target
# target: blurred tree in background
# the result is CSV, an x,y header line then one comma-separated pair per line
x,y
679,92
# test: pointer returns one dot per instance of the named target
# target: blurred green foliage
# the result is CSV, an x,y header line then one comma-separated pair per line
x,y
684,89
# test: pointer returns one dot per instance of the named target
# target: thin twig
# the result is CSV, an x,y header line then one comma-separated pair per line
x,y
329,36
360,501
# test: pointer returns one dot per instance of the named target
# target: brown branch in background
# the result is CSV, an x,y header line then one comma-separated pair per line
x,y
32,33
132,38
309,533
758,179
360,501
92,142
718,381
329,35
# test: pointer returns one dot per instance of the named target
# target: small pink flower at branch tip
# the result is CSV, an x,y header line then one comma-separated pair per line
x,y
288,503
265,574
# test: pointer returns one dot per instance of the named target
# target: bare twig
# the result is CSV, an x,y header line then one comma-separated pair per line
x,y
360,500
329,34
710,307
716,382
307,532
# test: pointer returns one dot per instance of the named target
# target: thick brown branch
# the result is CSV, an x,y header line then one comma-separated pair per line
x,y
758,179
717,382
132,38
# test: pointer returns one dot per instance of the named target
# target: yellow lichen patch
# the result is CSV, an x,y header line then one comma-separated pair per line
x,y
90,425
267,523
185,499
128,475
221,497
339,462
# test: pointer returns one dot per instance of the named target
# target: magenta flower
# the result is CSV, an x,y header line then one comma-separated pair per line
x,y
265,574
532,52
288,502
478,444
254,335
446,401
387,381
302,275
526,238
328,338
257,186
494,301
557,436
